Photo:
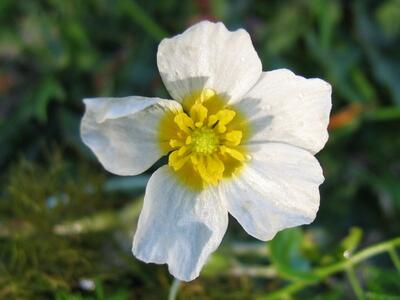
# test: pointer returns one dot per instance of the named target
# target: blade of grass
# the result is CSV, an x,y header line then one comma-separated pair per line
x,y
384,114
139,15
395,258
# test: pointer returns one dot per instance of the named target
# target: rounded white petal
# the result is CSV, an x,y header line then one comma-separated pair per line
x,y
277,189
177,226
123,133
284,107
207,55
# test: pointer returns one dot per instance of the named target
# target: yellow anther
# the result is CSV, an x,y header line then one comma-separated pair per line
x,y
234,137
233,152
211,168
174,143
177,161
221,128
214,165
225,116
183,150
198,113
184,122
212,120
188,140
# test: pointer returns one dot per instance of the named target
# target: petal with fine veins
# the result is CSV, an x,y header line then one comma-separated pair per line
x,y
284,107
178,226
277,189
123,133
207,55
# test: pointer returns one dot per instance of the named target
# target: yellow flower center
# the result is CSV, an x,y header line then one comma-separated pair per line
x,y
204,140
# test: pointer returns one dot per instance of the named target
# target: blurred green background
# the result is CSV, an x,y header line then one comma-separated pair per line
x,y
66,225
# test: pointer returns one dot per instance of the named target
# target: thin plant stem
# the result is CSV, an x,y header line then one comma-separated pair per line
x,y
327,271
173,291
395,258
355,284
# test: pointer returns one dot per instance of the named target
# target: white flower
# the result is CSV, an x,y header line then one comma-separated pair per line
x,y
239,140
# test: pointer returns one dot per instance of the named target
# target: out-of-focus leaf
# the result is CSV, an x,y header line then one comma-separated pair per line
x,y
217,262
382,284
386,69
384,114
142,18
338,63
68,123
99,291
43,42
285,21
48,90
387,189
388,16
351,242
286,255
10,44
380,296
364,86
328,14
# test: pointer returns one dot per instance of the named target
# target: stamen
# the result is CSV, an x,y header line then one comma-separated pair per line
x,y
183,150
184,122
234,137
233,152
174,143
198,113
206,142
176,161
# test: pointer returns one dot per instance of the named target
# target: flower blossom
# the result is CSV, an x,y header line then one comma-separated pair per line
x,y
238,140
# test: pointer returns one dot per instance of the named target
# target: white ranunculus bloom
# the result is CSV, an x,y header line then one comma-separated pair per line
x,y
238,140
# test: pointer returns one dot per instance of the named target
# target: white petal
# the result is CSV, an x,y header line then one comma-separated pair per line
x,y
277,189
207,55
122,132
283,107
177,226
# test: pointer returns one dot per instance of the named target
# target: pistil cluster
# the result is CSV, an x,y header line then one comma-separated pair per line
x,y
206,141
